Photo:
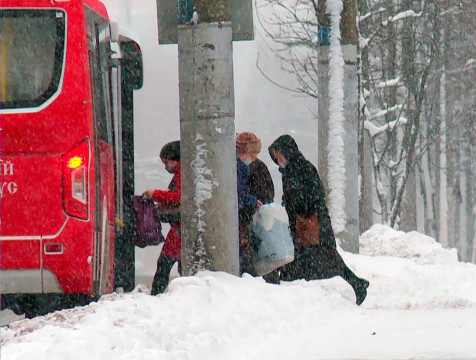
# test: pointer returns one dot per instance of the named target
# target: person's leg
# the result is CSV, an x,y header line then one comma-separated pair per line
x,y
161,277
246,265
272,277
358,284
179,266
324,262
296,269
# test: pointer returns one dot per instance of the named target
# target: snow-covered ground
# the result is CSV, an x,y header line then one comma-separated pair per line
x,y
421,304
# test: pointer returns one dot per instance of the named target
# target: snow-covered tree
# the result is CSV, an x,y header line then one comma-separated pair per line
x,y
417,104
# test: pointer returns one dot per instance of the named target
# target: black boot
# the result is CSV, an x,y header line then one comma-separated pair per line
x,y
359,285
360,290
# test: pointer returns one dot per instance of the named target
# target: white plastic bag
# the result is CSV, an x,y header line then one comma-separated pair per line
x,y
276,248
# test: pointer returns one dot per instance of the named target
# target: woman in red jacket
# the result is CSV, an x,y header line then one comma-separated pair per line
x,y
168,199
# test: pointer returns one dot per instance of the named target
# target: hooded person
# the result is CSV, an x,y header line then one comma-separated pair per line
x,y
168,199
316,255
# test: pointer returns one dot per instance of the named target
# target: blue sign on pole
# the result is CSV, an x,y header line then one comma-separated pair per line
x,y
324,36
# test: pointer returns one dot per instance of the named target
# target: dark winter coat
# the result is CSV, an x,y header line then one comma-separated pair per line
x,y
246,205
245,199
260,182
171,198
261,186
303,192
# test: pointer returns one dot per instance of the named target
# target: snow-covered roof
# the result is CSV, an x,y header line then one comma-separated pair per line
x,y
120,33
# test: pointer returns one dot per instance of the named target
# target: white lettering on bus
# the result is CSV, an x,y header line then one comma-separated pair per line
x,y
12,187
6,168
8,188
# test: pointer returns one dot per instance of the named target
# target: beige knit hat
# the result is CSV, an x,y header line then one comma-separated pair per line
x,y
247,143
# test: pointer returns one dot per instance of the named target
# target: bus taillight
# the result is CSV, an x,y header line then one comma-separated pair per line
x,y
75,181
75,162
78,186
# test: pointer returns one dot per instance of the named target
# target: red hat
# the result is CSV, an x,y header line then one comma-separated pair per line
x,y
247,143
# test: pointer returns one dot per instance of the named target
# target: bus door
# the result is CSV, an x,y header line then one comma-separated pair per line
x,y
99,51
126,76
116,100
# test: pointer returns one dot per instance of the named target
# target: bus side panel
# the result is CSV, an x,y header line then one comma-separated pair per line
x,y
33,207
20,254
73,266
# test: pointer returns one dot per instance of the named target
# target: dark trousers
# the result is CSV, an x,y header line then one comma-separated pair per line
x,y
162,274
272,277
317,262
246,265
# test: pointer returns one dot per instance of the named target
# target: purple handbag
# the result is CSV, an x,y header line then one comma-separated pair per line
x,y
149,229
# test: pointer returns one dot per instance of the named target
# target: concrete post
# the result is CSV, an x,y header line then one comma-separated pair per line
x,y
207,111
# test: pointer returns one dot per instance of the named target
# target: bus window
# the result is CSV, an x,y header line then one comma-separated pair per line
x,y
31,56
99,51
132,59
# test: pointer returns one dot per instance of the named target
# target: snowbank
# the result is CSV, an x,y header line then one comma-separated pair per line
x,y
382,240
420,305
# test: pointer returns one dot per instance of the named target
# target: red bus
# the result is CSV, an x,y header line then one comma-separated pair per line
x,y
67,75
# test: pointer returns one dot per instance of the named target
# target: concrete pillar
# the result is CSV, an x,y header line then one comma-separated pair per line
x,y
207,112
